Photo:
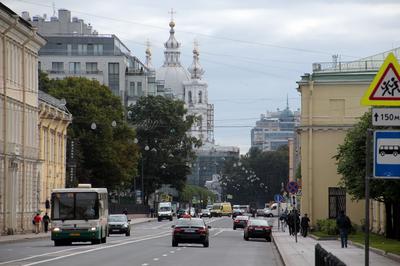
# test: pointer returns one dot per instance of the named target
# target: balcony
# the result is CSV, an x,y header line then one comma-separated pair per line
x,y
75,73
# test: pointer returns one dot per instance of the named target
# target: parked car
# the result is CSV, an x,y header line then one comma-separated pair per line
x,y
257,228
119,224
190,230
240,221
205,213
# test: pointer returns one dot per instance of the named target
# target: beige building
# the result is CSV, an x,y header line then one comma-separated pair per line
x,y
330,106
54,120
19,141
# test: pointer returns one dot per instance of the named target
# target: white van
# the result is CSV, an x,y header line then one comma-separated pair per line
x,y
164,211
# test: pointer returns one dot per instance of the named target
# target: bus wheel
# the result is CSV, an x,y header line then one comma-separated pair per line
x,y
104,240
96,241
58,243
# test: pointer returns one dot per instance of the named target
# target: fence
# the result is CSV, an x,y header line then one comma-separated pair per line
x,y
324,258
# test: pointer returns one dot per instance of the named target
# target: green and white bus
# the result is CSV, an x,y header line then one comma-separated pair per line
x,y
79,215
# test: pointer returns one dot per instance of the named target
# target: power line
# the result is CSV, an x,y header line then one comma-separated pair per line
x,y
196,33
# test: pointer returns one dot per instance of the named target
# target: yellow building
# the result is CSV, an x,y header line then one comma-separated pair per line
x,y
19,145
330,106
54,119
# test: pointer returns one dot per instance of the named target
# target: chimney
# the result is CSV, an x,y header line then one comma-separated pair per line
x,y
64,15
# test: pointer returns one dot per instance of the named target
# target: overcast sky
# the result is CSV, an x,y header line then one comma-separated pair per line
x,y
253,52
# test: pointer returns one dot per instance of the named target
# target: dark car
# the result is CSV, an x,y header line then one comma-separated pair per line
x,y
119,224
190,230
257,228
240,221
236,212
180,213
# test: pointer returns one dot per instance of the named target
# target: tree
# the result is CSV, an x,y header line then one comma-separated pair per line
x,y
201,194
257,176
106,154
351,165
162,125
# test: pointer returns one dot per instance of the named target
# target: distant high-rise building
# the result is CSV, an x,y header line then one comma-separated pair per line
x,y
274,129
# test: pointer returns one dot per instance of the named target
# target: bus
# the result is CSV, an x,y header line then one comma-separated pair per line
x,y
79,215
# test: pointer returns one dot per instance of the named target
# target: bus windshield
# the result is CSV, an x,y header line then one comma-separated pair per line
x,y
75,206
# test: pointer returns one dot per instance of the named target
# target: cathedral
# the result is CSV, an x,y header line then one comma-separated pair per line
x,y
188,85
185,84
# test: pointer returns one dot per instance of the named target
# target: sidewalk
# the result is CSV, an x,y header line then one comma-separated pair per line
x,y
135,219
302,252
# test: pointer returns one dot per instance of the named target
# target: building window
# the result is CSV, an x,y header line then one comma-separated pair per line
x,y
57,67
139,89
113,77
337,201
131,89
91,68
69,49
200,96
90,49
190,97
74,67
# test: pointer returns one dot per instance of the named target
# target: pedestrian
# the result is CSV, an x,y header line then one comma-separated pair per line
x,y
46,221
37,219
283,220
290,221
304,225
152,212
344,224
125,211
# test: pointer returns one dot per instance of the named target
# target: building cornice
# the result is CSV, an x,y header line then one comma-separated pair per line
x,y
300,129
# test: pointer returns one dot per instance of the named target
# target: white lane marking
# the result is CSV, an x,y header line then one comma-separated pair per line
x,y
178,249
219,232
172,252
145,264
80,247
184,247
156,259
164,255
95,249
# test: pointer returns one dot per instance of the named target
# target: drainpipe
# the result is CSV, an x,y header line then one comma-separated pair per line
x,y
310,146
5,113
24,127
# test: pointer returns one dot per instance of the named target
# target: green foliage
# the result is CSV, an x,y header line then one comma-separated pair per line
x,y
201,194
162,125
327,226
106,156
259,176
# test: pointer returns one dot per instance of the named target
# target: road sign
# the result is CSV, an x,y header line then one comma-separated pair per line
x,y
384,89
386,154
279,198
386,116
292,187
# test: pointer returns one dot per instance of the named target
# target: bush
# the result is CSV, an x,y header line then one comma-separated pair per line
x,y
327,226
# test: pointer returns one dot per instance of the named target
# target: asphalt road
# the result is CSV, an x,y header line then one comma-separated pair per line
x,y
149,244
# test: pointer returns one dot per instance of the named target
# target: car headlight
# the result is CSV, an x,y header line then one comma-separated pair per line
x,y
125,226
56,229
92,229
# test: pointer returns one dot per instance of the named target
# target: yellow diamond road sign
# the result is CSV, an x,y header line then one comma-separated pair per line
x,y
385,87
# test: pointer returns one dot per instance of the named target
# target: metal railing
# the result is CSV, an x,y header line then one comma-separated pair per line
x,y
78,72
325,258
362,65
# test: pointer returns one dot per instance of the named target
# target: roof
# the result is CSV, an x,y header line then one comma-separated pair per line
x,y
47,98
12,13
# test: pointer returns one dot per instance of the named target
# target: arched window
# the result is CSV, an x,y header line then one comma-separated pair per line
x,y
190,97
200,96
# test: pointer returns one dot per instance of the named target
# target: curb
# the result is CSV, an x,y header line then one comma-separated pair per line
x,y
279,252
323,238
381,252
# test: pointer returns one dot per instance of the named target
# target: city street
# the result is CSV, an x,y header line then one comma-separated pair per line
x,y
149,244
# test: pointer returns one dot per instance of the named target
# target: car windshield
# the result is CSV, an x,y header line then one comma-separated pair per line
x,y
242,217
204,210
260,223
164,209
190,223
117,218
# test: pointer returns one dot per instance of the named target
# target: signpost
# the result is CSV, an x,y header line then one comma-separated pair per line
x,y
384,90
293,187
386,116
